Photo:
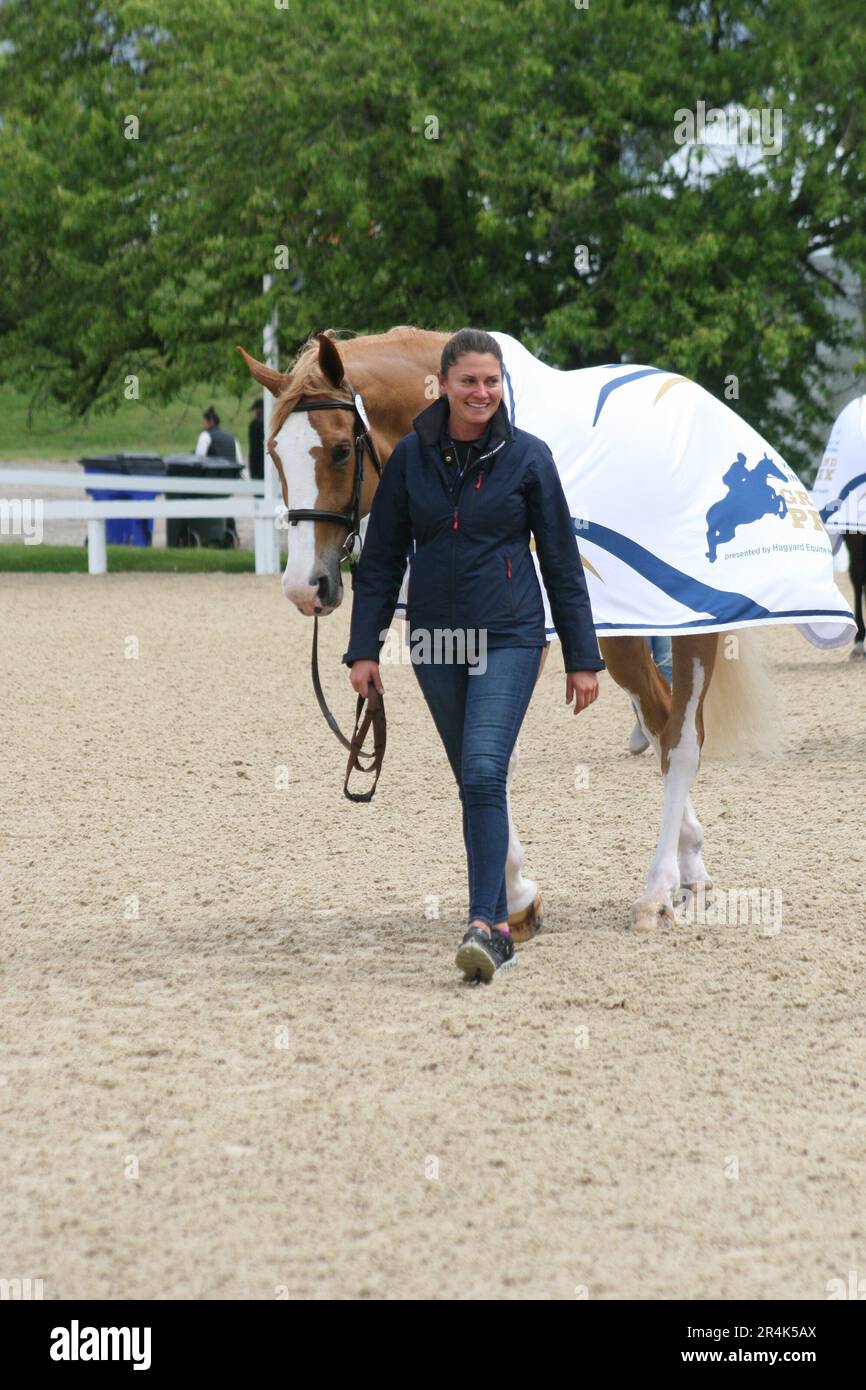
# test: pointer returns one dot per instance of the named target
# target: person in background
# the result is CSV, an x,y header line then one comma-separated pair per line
x,y
256,440
660,649
216,443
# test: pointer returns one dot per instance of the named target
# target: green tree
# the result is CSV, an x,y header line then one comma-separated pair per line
x,y
439,164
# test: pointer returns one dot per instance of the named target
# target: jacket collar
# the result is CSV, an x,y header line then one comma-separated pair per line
x,y
431,423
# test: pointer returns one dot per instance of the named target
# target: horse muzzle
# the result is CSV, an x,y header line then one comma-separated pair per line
x,y
317,598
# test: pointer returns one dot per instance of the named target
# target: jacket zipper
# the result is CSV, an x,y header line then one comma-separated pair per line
x,y
474,492
452,585
455,524
510,586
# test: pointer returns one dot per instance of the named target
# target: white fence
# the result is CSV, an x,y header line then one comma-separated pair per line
x,y
219,497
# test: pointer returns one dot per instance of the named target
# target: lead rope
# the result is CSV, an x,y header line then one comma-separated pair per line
x,y
375,715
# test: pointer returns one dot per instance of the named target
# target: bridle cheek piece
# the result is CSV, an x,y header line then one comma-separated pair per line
x,y
350,549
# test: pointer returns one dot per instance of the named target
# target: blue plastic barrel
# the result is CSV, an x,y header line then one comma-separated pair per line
x,y
123,530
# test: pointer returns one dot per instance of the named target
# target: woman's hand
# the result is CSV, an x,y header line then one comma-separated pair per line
x,y
583,685
361,673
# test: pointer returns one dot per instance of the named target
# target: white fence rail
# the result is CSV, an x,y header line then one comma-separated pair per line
x,y
218,496
130,482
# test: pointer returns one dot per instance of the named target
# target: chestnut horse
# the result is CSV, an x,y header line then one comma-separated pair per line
x,y
395,375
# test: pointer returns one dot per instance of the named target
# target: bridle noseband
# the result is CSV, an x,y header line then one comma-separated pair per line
x,y
352,521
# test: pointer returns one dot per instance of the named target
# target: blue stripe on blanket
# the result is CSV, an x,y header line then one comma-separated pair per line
x,y
836,503
724,605
510,393
622,381
670,629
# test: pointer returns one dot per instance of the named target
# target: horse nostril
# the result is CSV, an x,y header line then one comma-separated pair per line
x,y
322,587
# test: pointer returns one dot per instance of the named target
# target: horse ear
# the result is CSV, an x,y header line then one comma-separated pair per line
x,y
275,381
330,361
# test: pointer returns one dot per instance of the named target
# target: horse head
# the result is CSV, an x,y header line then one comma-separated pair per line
x,y
315,456
765,468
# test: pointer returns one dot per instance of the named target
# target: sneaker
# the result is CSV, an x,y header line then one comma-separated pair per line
x,y
479,956
638,741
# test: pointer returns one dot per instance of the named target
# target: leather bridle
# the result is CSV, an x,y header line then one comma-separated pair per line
x,y
363,441
375,714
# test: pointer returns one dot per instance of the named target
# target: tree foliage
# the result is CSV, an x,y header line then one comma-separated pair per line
x,y
439,164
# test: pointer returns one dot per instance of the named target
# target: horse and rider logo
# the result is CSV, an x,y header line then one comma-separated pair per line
x,y
751,496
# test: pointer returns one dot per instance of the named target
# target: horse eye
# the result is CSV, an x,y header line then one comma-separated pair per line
x,y
341,453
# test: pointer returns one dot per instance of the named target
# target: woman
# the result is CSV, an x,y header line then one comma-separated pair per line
x,y
468,489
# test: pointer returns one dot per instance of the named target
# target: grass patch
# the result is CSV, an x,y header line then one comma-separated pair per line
x,y
48,434
16,557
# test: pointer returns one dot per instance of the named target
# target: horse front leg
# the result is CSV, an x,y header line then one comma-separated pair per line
x,y
678,857
692,871
694,879
630,664
524,899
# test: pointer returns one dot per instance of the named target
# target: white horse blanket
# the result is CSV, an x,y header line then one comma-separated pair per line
x,y
685,518
839,492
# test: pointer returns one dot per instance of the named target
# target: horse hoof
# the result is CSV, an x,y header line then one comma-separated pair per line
x,y
857,652
648,916
528,923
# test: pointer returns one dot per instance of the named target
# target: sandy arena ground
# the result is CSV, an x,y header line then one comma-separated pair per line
x,y
237,1059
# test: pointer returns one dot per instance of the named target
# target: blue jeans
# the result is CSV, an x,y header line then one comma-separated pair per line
x,y
478,718
662,655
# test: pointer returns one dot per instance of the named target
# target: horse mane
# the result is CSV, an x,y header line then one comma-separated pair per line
x,y
305,375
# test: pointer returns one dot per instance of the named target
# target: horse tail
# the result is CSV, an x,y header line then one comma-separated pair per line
x,y
740,707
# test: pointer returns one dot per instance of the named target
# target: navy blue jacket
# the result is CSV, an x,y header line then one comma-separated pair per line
x,y
472,566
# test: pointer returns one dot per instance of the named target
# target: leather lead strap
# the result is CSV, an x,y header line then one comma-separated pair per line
x,y
375,715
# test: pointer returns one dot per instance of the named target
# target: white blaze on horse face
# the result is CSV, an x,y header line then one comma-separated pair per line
x,y
295,443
